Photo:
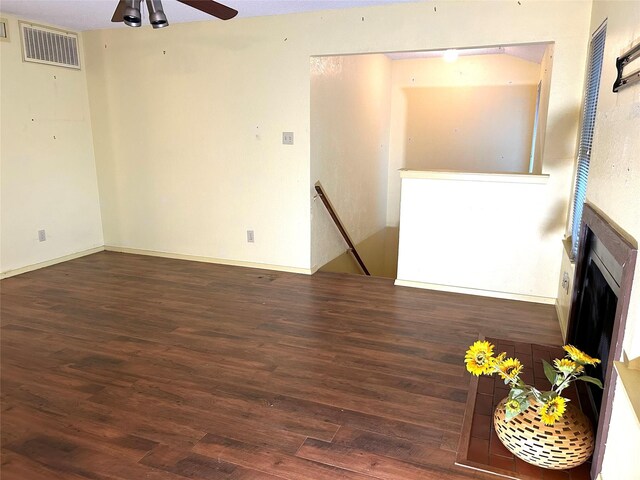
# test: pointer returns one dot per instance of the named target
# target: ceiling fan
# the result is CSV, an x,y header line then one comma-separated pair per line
x,y
128,11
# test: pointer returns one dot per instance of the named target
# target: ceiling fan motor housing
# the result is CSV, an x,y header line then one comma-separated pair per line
x,y
132,15
128,11
157,18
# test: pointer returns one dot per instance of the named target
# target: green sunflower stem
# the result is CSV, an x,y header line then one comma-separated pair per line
x,y
567,380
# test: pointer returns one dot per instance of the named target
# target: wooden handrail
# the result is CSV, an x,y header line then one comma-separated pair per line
x,y
343,231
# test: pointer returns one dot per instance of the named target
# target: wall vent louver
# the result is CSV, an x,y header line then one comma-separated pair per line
x,y
49,46
4,30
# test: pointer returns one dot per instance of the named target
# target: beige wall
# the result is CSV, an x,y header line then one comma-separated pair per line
x,y
470,129
188,126
349,148
188,120
613,188
475,114
47,162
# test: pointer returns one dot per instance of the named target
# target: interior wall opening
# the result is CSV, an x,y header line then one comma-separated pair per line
x,y
480,110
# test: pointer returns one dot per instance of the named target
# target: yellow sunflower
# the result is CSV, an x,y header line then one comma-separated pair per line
x,y
495,361
512,406
479,358
579,356
553,410
567,366
509,369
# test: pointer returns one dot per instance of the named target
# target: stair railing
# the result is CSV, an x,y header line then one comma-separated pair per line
x,y
334,216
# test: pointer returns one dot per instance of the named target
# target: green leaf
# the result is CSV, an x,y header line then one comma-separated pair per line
x,y
549,372
546,396
536,394
515,392
586,378
510,415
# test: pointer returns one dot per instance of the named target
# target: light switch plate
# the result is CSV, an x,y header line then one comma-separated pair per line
x,y
287,138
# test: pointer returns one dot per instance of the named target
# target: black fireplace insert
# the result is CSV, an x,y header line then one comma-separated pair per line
x,y
592,328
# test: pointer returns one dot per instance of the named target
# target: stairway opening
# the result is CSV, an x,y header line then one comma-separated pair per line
x,y
379,253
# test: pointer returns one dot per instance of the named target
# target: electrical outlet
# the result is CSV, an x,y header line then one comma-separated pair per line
x,y
287,138
42,235
565,282
250,237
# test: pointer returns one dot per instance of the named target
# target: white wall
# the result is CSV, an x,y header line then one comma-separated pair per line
x,y
188,120
475,114
349,148
485,234
613,188
47,162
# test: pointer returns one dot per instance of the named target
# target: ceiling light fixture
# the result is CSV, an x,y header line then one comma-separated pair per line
x,y
157,18
450,55
132,15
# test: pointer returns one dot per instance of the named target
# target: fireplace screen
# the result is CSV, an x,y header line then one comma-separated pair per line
x,y
593,328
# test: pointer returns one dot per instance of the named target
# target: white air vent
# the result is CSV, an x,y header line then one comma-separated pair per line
x,y
49,46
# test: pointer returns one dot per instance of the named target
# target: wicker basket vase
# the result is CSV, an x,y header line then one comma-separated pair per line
x,y
566,444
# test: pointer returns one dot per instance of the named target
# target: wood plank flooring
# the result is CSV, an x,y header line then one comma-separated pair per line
x,y
120,366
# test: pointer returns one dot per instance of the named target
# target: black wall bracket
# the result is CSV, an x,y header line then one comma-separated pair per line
x,y
622,61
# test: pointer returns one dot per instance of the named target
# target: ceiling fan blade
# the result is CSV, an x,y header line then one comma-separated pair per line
x,y
212,8
118,15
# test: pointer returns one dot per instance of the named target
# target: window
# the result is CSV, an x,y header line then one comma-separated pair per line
x,y
596,52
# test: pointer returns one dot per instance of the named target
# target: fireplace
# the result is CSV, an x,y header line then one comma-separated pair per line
x,y
592,329
604,273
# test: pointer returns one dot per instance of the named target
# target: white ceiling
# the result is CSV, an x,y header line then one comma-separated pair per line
x,y
96,14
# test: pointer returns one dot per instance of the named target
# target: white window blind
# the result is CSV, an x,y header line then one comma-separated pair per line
x,y
596,52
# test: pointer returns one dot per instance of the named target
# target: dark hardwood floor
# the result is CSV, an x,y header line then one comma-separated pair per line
x,y
120,366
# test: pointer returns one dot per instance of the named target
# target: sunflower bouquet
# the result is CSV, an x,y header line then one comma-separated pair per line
x,y
480,360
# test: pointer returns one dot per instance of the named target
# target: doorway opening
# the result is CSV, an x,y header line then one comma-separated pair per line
x,y
480,110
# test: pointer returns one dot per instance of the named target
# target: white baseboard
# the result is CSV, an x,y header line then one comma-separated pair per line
x,y
48,263
473,291
220,261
